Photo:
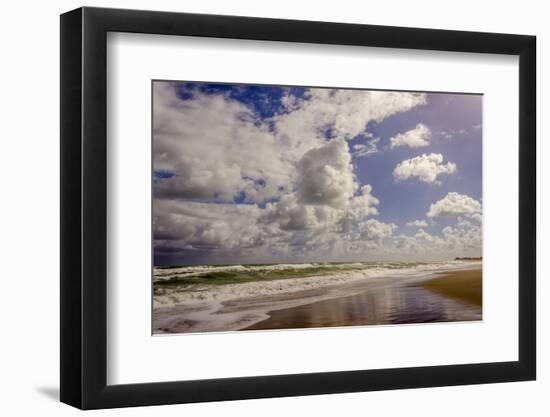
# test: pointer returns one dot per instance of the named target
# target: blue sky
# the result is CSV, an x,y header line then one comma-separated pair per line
x,y
444,113
246,174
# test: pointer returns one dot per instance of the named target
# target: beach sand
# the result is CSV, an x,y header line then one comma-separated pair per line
x,y
461,285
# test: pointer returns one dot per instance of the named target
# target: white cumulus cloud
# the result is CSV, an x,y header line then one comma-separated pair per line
x,y
206,144
455,204
375,230
325,175
415,138
426,167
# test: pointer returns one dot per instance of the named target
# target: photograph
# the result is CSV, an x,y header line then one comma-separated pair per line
x,y
279,205
291,207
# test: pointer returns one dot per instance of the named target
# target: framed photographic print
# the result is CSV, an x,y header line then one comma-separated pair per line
x,y
258,207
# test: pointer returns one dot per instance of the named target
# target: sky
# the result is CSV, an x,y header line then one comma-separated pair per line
x,y
272,174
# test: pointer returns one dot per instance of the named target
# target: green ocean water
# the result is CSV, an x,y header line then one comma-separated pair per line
x,y
185,276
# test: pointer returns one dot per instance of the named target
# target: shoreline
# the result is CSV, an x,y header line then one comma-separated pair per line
x,y
445,288
371,300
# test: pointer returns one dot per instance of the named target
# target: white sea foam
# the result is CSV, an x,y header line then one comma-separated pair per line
x,y
167,273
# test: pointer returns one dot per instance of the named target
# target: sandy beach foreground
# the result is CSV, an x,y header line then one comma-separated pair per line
x,y
422,294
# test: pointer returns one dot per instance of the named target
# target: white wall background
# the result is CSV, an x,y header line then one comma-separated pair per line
x,y
29,237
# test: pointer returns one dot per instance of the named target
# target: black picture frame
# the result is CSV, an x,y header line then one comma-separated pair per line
x,y
84,207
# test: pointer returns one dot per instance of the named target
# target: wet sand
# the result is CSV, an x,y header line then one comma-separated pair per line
x,y
451,296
